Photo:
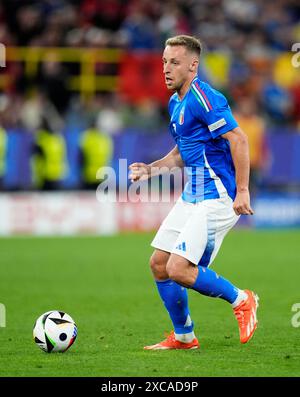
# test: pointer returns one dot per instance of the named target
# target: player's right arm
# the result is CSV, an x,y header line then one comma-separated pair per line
x,y
142,171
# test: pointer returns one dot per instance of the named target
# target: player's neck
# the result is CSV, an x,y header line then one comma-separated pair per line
x,y
185,87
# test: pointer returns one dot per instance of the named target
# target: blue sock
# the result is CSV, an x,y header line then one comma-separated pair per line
x,y
175,300
210,283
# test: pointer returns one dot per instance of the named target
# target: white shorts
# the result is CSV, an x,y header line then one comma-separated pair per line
x,y
196,231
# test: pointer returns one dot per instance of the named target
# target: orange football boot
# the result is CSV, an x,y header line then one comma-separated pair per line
x,y
245,314
171,343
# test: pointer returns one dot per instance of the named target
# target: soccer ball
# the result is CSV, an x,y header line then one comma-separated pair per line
x,y
54,331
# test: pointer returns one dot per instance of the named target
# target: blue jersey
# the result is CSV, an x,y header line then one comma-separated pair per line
x,y
197,124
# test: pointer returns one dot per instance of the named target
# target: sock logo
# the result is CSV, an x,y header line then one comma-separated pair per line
x,y
181,247
188,322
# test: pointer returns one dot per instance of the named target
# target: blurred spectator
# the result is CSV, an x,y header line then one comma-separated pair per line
x,y
276,24
31,114
172,22
28,24
146,116
53,81
109,118
139,31
277,102
295,93
10,110
48,158
107,14
253,125
35,109
3,146
96,151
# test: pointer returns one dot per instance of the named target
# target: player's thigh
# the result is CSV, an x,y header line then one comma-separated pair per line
x,y
226,218
172,226
202,235
192,240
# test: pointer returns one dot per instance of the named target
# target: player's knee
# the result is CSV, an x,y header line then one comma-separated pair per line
x,y
153,263
158,266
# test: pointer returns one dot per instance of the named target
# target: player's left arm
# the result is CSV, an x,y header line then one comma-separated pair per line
x,y
240,154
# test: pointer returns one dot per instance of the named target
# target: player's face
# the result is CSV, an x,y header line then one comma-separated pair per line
x,y
179,65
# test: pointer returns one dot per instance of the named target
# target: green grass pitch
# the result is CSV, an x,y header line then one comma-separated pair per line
x,y
105,284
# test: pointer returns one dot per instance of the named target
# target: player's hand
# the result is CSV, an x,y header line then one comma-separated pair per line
x,y
139,172
241,204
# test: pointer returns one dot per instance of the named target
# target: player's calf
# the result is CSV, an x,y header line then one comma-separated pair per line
x,y
181,270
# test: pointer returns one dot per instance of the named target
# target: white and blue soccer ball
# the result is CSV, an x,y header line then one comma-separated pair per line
x,y
54,331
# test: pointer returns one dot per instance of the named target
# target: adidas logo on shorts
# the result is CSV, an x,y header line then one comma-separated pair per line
x,y
181,247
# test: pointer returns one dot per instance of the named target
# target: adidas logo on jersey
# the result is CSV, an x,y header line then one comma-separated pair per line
x,y
181,247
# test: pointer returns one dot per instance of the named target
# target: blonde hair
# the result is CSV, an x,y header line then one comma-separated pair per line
x,y
191,43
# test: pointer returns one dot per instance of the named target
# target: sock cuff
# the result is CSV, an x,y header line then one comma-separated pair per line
x,y
163,281
195,286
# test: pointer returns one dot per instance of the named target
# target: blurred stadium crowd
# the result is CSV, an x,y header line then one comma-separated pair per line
x,y
54,136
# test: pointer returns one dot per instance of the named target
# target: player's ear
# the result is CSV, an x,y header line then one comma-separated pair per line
x,y
194,65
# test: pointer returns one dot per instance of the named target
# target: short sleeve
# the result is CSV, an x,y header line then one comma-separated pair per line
x,y
211,107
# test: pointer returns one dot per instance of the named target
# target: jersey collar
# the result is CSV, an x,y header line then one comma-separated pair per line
x,y
177,96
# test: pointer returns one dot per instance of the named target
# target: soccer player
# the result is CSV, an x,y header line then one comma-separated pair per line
x,y
215,154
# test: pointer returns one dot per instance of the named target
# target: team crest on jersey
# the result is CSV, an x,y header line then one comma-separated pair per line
x,y
181,116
